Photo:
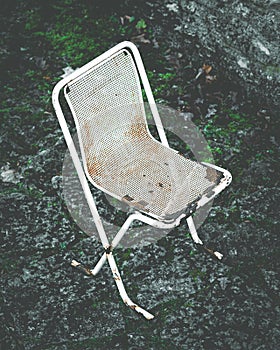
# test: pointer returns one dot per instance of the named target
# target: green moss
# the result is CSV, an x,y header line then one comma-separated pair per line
x,y
77,39
126,254
141,24
33,20
273,70
225,132
161,83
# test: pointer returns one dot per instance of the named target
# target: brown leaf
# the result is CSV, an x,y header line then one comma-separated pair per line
x,y
207,69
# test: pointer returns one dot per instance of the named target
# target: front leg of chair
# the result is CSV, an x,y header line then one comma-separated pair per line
x,y
197,240
122,290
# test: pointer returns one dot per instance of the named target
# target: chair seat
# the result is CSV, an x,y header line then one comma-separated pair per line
x,y
147,175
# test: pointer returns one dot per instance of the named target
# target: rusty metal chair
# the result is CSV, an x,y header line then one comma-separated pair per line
x,y
122,158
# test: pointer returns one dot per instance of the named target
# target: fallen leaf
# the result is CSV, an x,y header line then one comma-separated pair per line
x,y
207,69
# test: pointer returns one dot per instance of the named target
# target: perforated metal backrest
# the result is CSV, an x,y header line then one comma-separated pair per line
x,y
108,108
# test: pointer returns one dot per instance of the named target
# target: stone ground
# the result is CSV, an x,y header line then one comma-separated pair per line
x,y
199,303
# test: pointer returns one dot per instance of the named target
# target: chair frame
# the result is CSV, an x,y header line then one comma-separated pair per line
x,y
143,217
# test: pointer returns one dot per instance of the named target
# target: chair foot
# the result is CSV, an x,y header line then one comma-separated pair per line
x,y
85,269
216,254
198,241
122,290
92,272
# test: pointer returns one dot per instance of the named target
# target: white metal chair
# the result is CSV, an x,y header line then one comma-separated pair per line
x,y
120,156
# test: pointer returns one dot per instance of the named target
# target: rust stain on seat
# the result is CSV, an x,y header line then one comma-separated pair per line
x,y
94,167
87,138
137,129
87,129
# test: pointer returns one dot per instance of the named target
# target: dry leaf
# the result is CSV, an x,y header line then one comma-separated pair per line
x,y
207,69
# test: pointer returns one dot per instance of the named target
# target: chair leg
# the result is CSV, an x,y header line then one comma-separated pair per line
x,y
86,269
122,290
193,231
199,241
99,265
115,242
117,278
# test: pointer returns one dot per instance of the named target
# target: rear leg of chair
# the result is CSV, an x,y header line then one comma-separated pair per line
x,y
122,290
193,231
197,240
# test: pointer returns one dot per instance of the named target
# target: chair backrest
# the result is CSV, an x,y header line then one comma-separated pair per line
x,y
107,105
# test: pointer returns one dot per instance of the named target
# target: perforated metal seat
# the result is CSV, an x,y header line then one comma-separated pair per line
x,y
153,179
123,159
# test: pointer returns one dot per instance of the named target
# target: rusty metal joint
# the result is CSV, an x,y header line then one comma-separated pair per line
x,y
109,249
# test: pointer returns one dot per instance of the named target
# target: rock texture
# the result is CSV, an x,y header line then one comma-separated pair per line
x,y
239,38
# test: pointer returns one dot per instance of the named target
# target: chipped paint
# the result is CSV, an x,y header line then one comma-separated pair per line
x,y
211,175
